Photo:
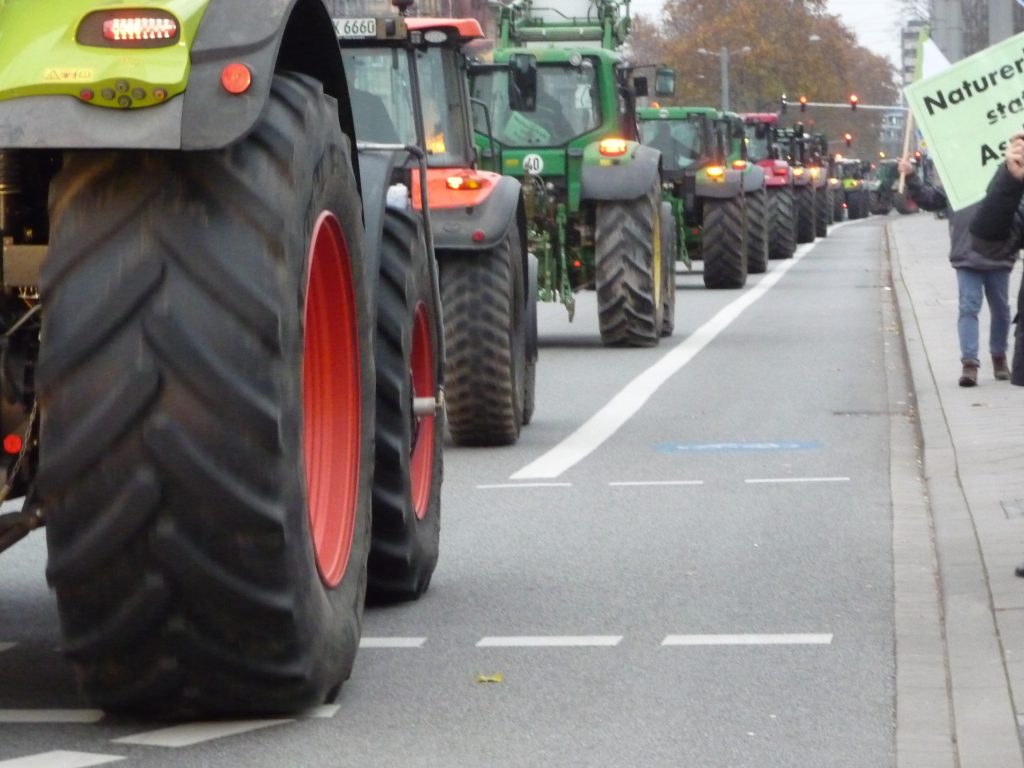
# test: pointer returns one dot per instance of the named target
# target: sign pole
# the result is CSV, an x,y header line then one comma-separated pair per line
x,y
907,133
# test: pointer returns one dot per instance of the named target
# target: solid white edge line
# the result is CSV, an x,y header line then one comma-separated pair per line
x,y
641,483
67,716
6,647
189,734
791,639
60,759
553,641
768,480
631,398
322,712
392,642
499,486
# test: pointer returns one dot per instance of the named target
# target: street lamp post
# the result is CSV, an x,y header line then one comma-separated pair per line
x,y
723,60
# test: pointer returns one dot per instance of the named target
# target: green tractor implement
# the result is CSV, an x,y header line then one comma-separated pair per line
x,y
560,116
211,316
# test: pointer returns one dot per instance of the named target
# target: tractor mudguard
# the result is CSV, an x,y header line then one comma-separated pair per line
x,y
453,227
298,34
376,168
753,179
620,178
731,185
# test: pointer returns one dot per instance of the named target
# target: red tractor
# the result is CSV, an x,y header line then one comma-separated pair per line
x,y
763,148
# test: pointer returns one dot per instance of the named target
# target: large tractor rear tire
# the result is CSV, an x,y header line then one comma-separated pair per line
x,y
830,204
805,214
206,394
532,343
409,445
723,243
757,232
821,209
782,216
628,266
485,329
669,245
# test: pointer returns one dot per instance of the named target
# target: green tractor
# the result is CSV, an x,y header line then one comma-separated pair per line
x,y
200,353
724,198
883,189
854,173
561,118
810,183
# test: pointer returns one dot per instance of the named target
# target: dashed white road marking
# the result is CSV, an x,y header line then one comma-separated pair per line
x,y
551,641
60,759
652,483
323,712
501,486
624,405
792,639
770,480
189,734
50,715
6,646
392,642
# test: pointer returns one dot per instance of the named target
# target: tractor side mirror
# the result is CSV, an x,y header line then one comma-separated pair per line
x,y
640,86
522,83
665,82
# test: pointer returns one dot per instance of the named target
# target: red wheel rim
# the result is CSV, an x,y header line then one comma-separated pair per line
x,y
421,363
332,399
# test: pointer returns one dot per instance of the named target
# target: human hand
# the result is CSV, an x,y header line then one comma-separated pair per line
x,y
1015,156
905,166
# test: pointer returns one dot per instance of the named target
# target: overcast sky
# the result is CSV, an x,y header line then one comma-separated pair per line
x,y
875,22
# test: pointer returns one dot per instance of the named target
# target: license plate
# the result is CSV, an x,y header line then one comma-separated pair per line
x,y
355,29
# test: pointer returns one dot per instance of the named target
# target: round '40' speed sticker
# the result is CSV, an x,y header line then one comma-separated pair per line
x,y
533,164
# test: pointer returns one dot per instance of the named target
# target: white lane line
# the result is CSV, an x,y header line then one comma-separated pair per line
x,y
692,640
392,642
500,486
551,641
768,480
644,483
624,405
188,734
50,715
60,759
323,712
6,647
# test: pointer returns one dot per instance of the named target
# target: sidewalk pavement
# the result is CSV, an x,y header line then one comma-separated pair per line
x,y
958,523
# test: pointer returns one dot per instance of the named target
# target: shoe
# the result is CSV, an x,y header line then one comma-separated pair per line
x,y
999,367
969,377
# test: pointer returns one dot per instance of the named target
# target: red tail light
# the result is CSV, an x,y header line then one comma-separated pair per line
x,y
13,444
143,28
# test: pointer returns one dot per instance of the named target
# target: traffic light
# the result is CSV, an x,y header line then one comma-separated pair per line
x,y
803,103
848,138
783,104
853,101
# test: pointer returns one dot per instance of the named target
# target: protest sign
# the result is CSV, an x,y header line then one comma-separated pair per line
x,y
967,114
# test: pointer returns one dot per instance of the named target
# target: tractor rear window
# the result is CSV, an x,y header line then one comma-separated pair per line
x,y
567,106
679,141
381,91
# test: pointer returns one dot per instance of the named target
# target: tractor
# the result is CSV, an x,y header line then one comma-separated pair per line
x,y
212,316
763,149
723,195
806,177
853,173
560,116
487,279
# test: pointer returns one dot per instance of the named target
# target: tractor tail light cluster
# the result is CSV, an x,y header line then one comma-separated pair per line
x,y
613,147
142,28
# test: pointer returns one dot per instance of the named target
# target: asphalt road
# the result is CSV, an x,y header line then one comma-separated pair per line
x,y
702,576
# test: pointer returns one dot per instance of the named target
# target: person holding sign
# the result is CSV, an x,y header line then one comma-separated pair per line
x,y
998,230
978,274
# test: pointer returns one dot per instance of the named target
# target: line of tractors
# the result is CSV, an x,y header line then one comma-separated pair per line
x,y
256,266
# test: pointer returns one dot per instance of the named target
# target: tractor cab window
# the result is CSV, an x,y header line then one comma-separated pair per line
x,y
441,92
567,105
679,141
381,91
759,143
380,86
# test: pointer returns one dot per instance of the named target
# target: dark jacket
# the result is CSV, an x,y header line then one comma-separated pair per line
x,y
962,253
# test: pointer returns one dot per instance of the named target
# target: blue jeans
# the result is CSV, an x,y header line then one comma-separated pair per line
x,y
995,284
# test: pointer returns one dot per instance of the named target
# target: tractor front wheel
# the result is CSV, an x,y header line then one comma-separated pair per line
x,y
206,389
